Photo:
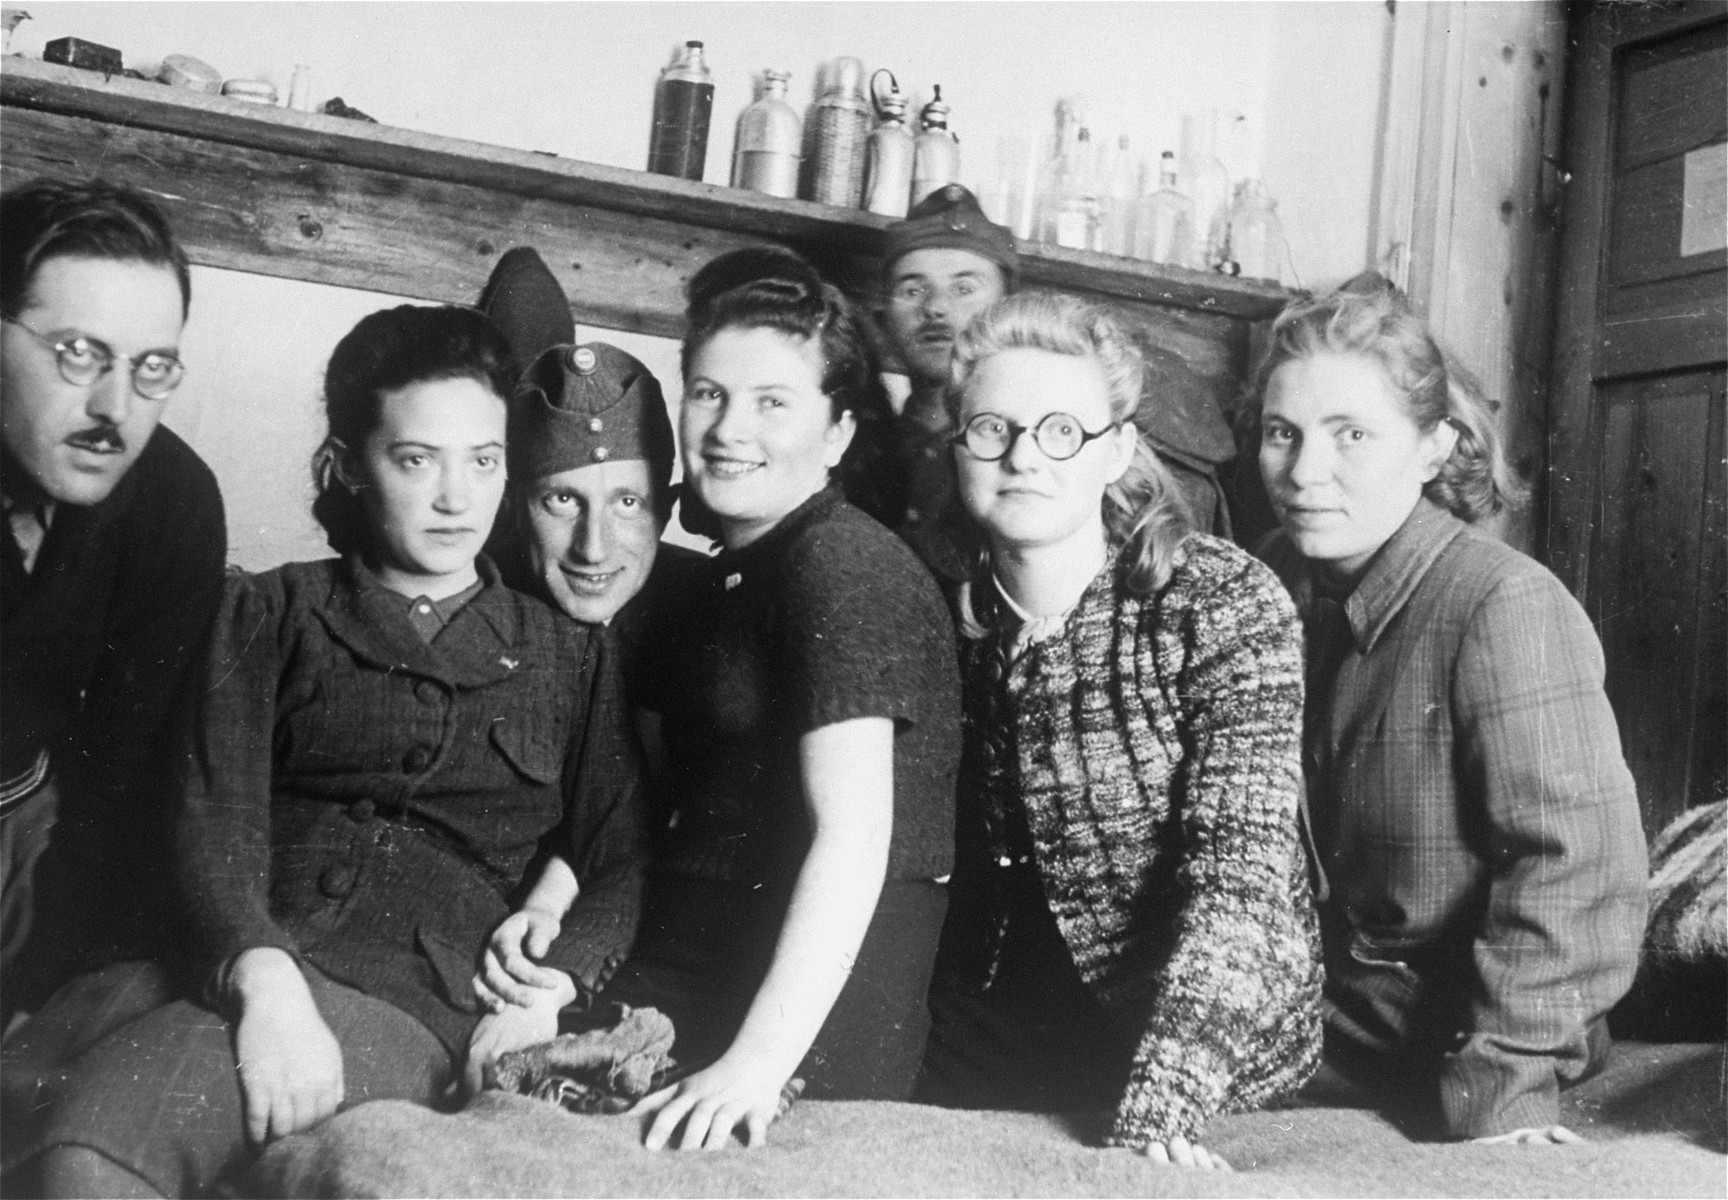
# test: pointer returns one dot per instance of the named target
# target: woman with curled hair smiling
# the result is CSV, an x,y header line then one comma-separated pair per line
x,y
1131,923
804,679
1482,862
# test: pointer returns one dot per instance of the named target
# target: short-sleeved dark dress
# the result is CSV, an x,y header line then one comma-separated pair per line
x,y
826,618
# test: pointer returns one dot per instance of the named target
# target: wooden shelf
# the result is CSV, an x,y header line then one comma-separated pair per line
x,y
127,112
313,197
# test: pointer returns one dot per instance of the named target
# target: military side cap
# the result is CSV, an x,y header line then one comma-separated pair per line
x,y
524,300
581,405
950,218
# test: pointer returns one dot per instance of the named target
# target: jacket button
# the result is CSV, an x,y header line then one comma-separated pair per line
x,y
428,692
361,811
417,759
336,881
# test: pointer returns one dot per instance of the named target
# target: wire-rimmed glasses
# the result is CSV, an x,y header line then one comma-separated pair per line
x,y
83,360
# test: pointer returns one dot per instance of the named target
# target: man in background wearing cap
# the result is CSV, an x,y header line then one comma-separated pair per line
x,y
943,265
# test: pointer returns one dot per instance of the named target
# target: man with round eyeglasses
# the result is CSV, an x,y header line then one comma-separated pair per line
x,y
113,553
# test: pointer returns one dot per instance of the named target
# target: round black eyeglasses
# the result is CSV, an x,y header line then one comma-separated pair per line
x,y
1059,435
82,361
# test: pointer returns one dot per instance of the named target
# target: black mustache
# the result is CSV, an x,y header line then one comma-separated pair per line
x,y
101,437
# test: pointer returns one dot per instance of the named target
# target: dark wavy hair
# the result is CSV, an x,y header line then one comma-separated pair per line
x,y
53,218
385,352
1370,317
768,287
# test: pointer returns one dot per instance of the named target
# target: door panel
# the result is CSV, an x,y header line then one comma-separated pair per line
x,y
1636,492
1649,544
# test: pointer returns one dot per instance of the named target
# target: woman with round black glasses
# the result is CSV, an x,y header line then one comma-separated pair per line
x,y
1130,920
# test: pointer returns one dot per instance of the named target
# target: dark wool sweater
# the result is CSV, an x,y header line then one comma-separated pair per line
x,y
826,618
1152,745
95,645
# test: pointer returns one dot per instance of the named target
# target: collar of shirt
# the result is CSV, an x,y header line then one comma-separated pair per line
x,y
430,616
927,409
1399,566
29,523
1035,629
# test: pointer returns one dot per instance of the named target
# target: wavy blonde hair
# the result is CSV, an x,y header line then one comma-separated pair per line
x,y
1371,318
1142,514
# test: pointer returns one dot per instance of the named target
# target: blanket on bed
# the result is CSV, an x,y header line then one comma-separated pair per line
x,y
1654,1117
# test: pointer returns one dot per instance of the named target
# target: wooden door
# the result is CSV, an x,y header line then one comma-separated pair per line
x,y
1635,503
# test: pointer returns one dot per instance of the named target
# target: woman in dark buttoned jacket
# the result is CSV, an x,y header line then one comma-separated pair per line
x,y
386,744
1481,855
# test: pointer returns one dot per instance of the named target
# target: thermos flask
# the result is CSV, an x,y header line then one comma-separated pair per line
x,y
841,121
765,156
683,100
936,157
888,163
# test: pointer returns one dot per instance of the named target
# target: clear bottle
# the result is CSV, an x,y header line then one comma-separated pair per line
x,y
936,156
1076,219
1067,192
1208,185
888,162
683,101
840,128
1116,231
1164,220
766,153
1256,243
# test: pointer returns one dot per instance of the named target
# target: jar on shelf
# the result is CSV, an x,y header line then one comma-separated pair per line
x,y
1256,240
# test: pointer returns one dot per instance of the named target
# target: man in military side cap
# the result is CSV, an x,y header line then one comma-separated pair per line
x,y
590,456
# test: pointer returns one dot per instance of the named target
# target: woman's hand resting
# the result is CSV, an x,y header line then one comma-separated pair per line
x,y
516,1027
1538,1135
509,971
289,1063
1180,1152
701,1111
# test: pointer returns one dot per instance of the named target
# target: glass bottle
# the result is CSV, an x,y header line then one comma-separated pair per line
x,y
1164,220
1068,194
1256,242
1207,184
1069,116
1116,232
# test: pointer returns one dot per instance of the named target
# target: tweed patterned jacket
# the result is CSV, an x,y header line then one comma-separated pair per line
x,y
1474,817
1155,753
